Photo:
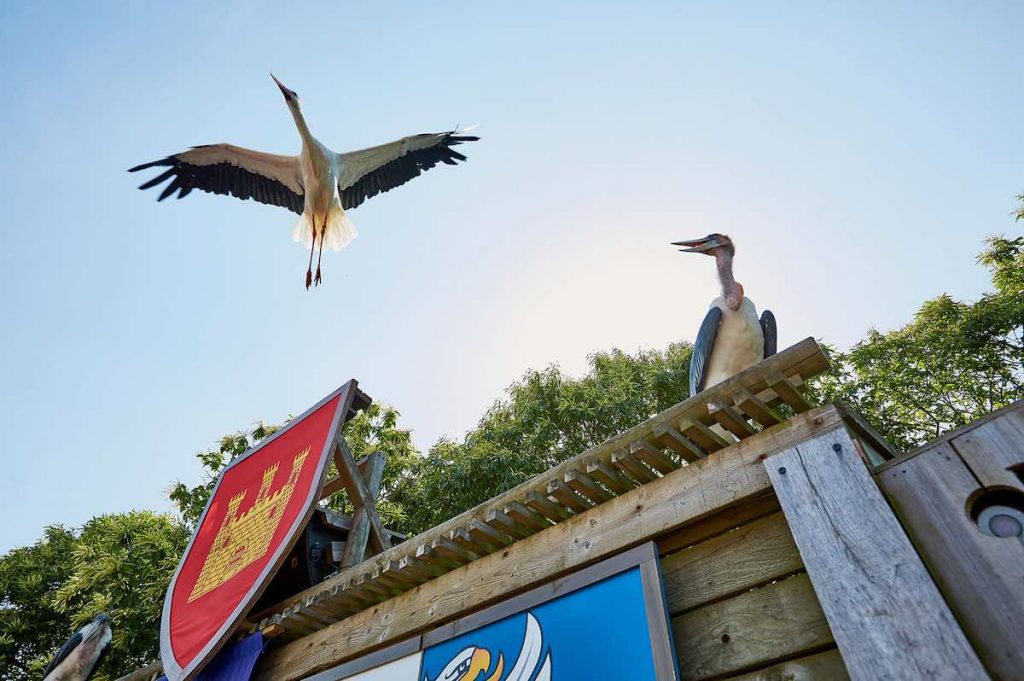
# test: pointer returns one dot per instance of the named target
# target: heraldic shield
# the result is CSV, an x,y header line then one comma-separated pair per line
x,y
257,510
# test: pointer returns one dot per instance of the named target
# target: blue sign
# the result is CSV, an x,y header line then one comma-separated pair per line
x,y
598,632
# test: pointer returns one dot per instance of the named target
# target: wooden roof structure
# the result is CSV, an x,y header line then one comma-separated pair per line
x,y
777,546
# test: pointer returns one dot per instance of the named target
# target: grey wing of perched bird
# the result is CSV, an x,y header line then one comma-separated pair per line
x,y
702,349
63,653
771,333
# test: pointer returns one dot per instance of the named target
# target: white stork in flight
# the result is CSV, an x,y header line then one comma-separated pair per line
x,y
731,337
318,184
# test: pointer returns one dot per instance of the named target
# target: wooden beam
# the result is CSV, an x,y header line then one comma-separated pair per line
x,y
827,665
360,495
674,440
652,456
752,405
752,629
684,496
730,564
371,472
880,600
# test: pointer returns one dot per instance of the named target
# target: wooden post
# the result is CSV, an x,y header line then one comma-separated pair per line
x,y
355,545
360,495
886,614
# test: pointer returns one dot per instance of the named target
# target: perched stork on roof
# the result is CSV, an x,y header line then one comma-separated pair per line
x,y
80,657
318,184
731,337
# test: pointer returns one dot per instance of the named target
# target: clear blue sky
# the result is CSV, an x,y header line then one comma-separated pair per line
x,y
858,154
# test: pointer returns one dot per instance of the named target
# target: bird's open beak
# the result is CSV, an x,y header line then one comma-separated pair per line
x,y
701,245
284,91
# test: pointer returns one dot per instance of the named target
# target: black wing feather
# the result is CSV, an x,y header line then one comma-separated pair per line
x,y
702,349
64,651
404,168
220,178
771,333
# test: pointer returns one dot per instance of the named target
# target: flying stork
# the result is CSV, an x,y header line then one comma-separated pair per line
x,y
318,184
80,656
731,337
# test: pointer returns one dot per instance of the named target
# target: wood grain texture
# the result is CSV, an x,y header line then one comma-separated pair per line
x,y
730,563
824,666
994,451
981,576
889,620
801,361
751,630
683,496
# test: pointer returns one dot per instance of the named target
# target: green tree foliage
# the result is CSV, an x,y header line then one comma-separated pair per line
x,y
954,363
120,564
546,418
31,625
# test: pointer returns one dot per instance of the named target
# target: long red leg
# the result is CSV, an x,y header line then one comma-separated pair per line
x,y
309,270
323,233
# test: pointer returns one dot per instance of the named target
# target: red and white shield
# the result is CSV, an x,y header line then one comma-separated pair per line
x,y
260,504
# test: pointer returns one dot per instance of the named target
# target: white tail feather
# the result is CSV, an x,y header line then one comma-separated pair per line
x,y
340,230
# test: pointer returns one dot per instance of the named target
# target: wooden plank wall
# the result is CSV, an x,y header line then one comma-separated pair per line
x,y
936,492
740,601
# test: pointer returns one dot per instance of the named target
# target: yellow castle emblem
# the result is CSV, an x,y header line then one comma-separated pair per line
x,y
245,538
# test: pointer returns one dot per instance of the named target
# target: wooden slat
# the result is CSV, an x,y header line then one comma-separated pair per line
x,y
674,440
609,477
684,496
526,516
652,456
501,521
752,405
541,504
630,465
355,543
751,630
488,536
877,594
719,523
731,420
567,497
584,485
980,575
731,563
789,394
360,495
708,439
824,666
994,451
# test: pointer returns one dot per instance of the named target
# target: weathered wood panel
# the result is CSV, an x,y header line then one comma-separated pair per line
x,y
751,630
747,556
889,620
981,576
688,494
826,666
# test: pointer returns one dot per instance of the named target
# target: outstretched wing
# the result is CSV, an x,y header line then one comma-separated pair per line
x,y
64,651
226,169
702,349
771,333
365,173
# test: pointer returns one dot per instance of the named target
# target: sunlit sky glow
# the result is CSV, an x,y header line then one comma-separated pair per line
x,y
858,153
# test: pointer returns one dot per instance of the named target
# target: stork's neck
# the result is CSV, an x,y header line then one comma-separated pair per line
x,y
300,123
731,291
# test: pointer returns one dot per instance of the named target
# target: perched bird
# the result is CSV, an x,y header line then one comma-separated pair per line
x,y
81,655
318,184
731,337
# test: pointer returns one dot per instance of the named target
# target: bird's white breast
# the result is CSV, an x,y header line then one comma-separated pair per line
x,y
739,343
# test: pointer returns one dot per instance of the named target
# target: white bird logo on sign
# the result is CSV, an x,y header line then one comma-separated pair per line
x,y
472,663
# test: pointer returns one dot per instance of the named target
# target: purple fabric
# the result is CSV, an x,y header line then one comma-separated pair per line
x,y
234,662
